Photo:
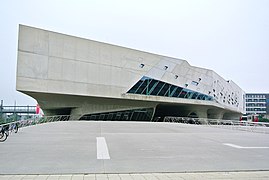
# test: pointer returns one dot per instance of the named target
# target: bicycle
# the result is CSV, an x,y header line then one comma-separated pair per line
x,y
4,132
7,129
14,127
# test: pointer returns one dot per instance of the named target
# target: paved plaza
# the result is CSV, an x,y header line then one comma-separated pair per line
x,y
134,150
253,175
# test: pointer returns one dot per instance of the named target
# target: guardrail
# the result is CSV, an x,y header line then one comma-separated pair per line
x,y
219,123
261,127
8,127
37,120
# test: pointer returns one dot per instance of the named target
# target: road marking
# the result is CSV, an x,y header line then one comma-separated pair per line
x,y
242,147
102,150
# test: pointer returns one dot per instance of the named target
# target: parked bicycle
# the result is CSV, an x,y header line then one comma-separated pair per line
x,y
14,127
7,129
4,132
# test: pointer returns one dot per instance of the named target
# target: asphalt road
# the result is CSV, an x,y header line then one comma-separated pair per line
x,y
131,147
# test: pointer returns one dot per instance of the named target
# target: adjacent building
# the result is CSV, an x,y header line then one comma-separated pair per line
x,y
257,103
92,80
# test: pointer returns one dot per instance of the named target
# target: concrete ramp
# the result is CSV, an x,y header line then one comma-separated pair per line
x,y
131,147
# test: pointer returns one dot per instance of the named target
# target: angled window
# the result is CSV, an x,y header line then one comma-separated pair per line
x,y
164,89
135,87
195,95
157,88
153,87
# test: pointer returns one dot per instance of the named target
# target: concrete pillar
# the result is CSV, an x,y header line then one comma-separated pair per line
x,y
215,114
218,115
201,113
232,116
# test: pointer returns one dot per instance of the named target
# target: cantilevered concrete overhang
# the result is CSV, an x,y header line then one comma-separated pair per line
x,y
78,106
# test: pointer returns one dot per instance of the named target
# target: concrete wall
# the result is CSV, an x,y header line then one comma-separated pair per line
x,y
54,63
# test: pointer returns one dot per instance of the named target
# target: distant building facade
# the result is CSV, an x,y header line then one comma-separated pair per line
x,y
91,80
257,103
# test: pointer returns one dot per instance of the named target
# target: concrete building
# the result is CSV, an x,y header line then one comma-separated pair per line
x,y
93,80
257,103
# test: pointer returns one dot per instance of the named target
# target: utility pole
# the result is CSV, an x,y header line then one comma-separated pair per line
x,y
1,109
15,115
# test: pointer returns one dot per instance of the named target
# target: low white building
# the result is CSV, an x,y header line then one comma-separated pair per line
x,y
94,80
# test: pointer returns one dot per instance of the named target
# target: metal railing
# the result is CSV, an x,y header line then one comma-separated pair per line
x,y
187,120
38,120
44,119
8,127
261,127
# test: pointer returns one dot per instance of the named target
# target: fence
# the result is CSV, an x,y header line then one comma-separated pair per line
x,y
38,120
218,123
261,127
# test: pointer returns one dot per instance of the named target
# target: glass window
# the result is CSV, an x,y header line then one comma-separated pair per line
x,y
194,83
165,67
135,87
195,95
200,97
141,87
157,88
152,86
183,93
168,91
172,90
177,92
164,89
149,86
146,89
189,94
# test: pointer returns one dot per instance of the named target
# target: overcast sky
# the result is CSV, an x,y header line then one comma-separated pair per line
x,y
230,37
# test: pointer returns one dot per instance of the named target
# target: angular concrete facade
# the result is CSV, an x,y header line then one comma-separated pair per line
x,y
71,75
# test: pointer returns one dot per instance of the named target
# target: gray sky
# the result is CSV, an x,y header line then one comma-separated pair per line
x,y
230,37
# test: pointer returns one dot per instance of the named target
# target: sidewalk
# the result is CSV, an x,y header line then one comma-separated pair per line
x,y
261,175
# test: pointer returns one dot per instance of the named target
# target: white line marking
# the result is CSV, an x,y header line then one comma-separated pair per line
x,y
102,150
232,145
242,147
